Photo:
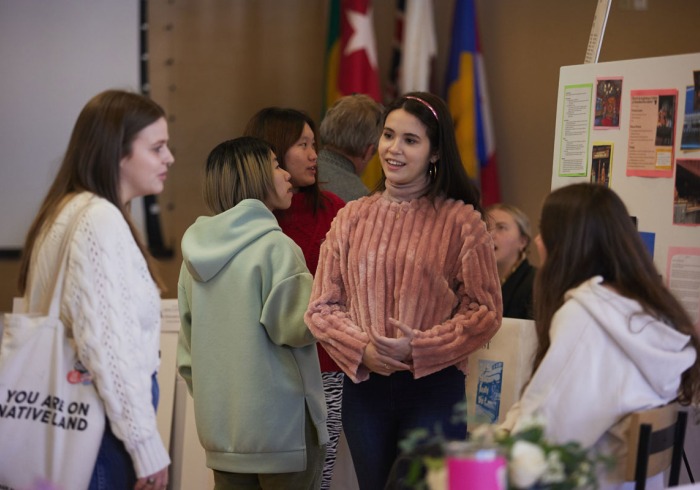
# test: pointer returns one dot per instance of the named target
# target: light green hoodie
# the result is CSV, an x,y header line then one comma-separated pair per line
x,y
249,360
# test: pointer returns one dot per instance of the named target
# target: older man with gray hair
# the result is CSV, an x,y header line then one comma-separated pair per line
x,y
349,135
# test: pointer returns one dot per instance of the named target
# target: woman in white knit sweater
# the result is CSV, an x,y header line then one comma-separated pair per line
x,y
118,150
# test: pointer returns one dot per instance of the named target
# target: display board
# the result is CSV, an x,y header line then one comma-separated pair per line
x,y
635,126
55,56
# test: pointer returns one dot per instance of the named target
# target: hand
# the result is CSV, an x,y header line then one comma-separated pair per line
x,y
156,481
381,363
398,348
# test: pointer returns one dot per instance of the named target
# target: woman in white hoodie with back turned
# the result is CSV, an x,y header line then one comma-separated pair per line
x,y
611,338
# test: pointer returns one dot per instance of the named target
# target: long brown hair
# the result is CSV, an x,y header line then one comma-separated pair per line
x,y
103,134
587,231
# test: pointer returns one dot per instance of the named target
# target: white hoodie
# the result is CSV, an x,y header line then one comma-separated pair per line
x,y
607,358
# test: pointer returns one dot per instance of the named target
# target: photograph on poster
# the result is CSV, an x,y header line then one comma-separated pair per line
x,y
649,239
664,125
607,103
683,276
651,130
601,163
686,193
690,137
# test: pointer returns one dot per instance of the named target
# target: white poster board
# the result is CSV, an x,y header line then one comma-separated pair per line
x,y
623,156
649,199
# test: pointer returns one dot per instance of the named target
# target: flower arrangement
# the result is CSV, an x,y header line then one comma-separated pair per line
x,y
532,461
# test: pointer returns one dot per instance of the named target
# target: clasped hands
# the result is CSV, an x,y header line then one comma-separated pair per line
x,y
385,355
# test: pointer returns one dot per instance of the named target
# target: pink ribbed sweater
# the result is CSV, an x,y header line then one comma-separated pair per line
x,y
427,264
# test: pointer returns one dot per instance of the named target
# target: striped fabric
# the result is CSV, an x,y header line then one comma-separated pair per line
x,y
427,264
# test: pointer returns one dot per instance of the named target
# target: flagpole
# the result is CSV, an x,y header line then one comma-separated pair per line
x,y
595,40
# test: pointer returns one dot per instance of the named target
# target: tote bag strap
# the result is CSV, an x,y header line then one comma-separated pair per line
x,y
54,299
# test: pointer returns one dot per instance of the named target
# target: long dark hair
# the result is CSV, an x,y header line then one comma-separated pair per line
x,y
587,231
451,180
103,134
282,127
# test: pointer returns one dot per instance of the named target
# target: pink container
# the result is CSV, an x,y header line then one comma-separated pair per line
x,y
475,467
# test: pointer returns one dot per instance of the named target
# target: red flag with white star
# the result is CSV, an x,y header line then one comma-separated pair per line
x,y
351,61
357,72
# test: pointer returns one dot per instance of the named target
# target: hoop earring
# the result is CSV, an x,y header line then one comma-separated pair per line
x,y
432,170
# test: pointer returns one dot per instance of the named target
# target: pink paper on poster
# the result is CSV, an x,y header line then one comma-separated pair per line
x,y
683,279
651,133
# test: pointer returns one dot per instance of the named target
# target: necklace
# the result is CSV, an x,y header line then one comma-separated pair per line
x,y
513,269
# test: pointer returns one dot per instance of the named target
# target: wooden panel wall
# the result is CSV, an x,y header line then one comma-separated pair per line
x,y
213,63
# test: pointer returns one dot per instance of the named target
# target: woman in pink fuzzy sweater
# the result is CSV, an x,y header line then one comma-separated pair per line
x,y
406,288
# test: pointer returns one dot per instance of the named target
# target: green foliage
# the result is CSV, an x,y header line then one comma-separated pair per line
x,y
533,461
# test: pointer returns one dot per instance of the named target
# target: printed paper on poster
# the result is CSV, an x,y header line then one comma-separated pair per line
x,y
651,133
575,124
683,273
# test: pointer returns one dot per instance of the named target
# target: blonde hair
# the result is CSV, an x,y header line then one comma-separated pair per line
x,y
520,218
237,169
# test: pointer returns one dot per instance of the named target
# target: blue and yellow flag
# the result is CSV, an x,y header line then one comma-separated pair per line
x,y
467,98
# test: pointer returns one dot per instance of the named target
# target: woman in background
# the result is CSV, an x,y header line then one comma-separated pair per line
x,y
406,288
510,230
293,135
611,338
118,151
247,357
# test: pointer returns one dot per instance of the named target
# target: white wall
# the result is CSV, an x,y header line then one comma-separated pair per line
x,y
54,56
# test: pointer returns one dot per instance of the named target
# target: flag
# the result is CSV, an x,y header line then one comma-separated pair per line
x,y
392,89
419,47
351,51
468,100
351,60
332,93
414,48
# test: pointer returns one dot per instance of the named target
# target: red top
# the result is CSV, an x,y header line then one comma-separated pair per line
x,y
308,231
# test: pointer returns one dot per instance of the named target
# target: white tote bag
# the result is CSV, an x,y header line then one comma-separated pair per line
x,y
51,417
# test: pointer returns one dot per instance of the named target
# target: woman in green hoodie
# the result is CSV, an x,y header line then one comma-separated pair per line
x,y
249,360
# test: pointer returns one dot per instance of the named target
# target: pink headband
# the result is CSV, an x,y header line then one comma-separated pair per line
x,y
425,104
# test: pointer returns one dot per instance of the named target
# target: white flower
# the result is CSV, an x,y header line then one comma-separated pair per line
x,y
535,420
555,469
527,464
437,478
582,480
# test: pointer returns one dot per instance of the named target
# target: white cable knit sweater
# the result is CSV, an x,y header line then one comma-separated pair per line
x,y
113,308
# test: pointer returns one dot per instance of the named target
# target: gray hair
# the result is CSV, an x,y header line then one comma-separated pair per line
x,y
351,124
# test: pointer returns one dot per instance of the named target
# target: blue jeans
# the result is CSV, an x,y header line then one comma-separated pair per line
x,y
379,412
114,469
